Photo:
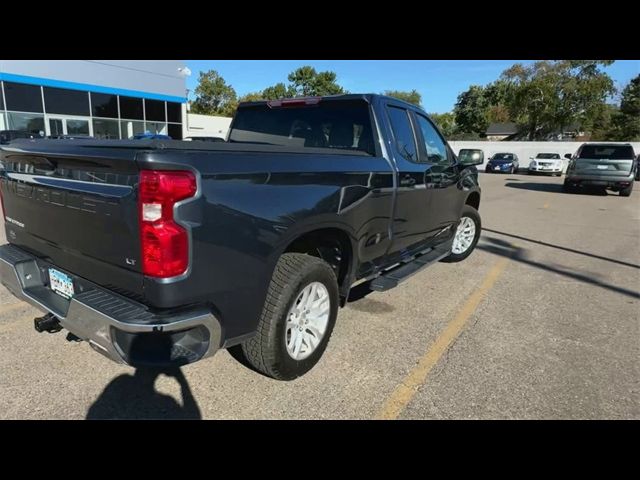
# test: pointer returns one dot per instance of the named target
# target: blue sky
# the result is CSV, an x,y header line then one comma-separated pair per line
x,y
439,81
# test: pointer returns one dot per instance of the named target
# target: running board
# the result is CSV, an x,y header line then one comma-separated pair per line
x,y
392,278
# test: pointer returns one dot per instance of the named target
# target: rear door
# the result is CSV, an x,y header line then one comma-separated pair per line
x,y
77,211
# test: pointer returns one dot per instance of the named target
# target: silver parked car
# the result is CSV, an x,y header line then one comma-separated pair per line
x,y
606,165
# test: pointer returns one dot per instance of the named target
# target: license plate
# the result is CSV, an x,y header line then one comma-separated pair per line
x,y
603,167
497,168
60,283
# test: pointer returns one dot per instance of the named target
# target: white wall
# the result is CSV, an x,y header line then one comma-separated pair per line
x,y
524,150
206,126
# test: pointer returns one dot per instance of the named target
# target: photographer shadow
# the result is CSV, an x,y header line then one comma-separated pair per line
x,y
135,397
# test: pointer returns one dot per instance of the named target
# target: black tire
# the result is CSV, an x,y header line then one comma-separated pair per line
x,y
472,213
266,352
625,192
566,188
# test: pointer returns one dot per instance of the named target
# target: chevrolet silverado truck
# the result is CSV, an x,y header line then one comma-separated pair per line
x,y
161,252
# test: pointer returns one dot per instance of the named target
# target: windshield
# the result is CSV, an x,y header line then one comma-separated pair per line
x,y
343,124
609,152
555,156
503,156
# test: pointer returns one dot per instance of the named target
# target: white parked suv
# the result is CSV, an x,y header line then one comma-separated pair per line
x,y
550,163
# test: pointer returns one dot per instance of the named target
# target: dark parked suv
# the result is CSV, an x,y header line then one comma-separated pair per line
x,y
606,165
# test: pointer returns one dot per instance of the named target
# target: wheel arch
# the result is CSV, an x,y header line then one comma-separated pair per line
x,y
473,200
333,244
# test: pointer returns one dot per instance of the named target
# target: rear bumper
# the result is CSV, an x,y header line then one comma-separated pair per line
x,y
501,169
551,170
608,181
121,329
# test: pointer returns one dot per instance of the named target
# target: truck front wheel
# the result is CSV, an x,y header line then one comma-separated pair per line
x,y
466,236
297,318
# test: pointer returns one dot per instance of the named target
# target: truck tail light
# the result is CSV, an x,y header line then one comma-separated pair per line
x,y
294,102
165,244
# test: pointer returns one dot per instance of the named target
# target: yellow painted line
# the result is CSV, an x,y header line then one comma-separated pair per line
x,y
404,392
546,205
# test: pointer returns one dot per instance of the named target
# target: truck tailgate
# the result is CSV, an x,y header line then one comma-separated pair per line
x,y
77,211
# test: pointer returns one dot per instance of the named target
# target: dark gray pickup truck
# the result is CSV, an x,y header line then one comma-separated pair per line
x,y
162,252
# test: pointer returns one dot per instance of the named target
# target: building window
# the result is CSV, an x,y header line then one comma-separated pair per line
x,y
104,105
131,108
26,122
154,110
77,127
175,131
23,98
156,128
106,129
66,102
174,112
131,128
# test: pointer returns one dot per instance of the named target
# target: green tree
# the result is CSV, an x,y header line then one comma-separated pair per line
x,y
549,95
277,91
413,96
306,81
470,111
629,116
603,126
252,97
446,122
214,96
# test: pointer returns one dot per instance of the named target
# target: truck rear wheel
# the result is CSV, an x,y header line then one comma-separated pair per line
x,y
466,236
297,318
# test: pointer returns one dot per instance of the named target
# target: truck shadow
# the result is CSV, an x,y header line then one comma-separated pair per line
x,y
134,397
517,254
556,188
559,247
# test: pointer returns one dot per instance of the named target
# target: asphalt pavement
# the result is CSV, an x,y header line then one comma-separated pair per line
x,y
541,321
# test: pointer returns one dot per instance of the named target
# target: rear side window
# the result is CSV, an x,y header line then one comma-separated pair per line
x,y
340,124
609,152
403,133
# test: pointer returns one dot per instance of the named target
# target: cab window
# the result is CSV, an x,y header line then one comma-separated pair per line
x,y
434,145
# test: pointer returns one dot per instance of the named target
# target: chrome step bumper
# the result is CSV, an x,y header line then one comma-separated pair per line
x,y
121,329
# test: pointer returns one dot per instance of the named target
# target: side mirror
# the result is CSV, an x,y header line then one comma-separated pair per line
x,y
530,158
568,155
469,156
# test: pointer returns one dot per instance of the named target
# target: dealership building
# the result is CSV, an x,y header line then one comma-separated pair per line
x,y
111,99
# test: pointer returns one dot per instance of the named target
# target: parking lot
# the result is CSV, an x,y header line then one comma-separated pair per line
x,y
542,321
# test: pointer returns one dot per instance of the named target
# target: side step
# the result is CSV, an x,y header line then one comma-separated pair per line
x,y
396,275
